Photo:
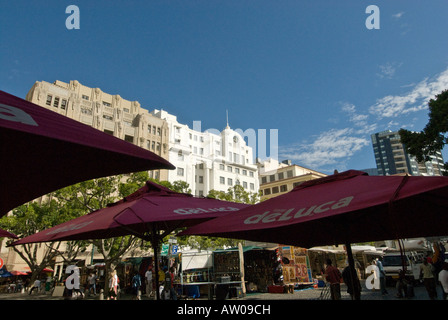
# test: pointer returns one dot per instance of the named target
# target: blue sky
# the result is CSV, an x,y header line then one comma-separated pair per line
x,y
310,69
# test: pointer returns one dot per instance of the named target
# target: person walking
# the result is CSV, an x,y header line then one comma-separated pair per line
x,y
351,280
148,277
36,285
382,275
136,284
443,278
113,286
92,283
427,275
333,276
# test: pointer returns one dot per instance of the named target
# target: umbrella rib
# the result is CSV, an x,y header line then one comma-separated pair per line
x,y
132,231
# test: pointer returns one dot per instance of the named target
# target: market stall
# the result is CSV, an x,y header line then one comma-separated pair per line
x,y
196,274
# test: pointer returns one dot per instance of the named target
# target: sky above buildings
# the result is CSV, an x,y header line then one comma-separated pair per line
x,y
312,71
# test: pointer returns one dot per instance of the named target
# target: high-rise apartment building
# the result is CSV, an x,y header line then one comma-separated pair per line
x,y
112,114
392,158
209,160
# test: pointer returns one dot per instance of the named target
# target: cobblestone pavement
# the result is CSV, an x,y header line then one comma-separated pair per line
x,y
305,294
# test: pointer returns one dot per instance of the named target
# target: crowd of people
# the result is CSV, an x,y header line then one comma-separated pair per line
x,y
432,274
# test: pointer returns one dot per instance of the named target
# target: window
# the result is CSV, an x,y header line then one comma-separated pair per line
x,y
49,98
289,174
85,97
221,166
109,132
222,180
275,190
105,116
149,128
280,175
244,184
229,182
251,174
56,102
107,104
229,168
252,186
129,138
180,172
264,180
159,133
201,179
63,104
272,177
245,172
283,188
267,191
124,109
237,170
86,111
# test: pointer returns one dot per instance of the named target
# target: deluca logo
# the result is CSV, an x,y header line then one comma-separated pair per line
x,y
75,226
203,210
292,213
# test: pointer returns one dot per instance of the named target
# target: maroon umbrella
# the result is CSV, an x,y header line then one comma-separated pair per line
x,y
6,234
343,208
42,151
144,213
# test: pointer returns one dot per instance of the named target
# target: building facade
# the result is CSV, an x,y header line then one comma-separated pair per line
x,y
391,157
279,178
109,113
209,160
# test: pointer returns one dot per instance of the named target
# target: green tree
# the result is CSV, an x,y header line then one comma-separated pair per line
x,y
434,136
28,219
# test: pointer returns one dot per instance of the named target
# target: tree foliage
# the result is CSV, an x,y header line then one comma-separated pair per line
x,y
434,136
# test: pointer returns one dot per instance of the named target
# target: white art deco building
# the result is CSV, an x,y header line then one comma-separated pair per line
x,y
209,160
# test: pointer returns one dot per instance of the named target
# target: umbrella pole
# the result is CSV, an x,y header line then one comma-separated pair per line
x,y
155,245
353,275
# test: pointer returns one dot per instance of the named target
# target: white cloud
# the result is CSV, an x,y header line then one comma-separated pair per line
x,y
387,70
360,121
398,15
333,147
413,101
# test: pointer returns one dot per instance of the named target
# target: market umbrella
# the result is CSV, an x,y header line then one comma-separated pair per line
x,y
6,234
344,208
42,151
145,213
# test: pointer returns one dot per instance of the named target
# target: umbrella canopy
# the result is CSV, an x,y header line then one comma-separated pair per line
x,y
344,208
6,234
152,207
5,273
43,151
